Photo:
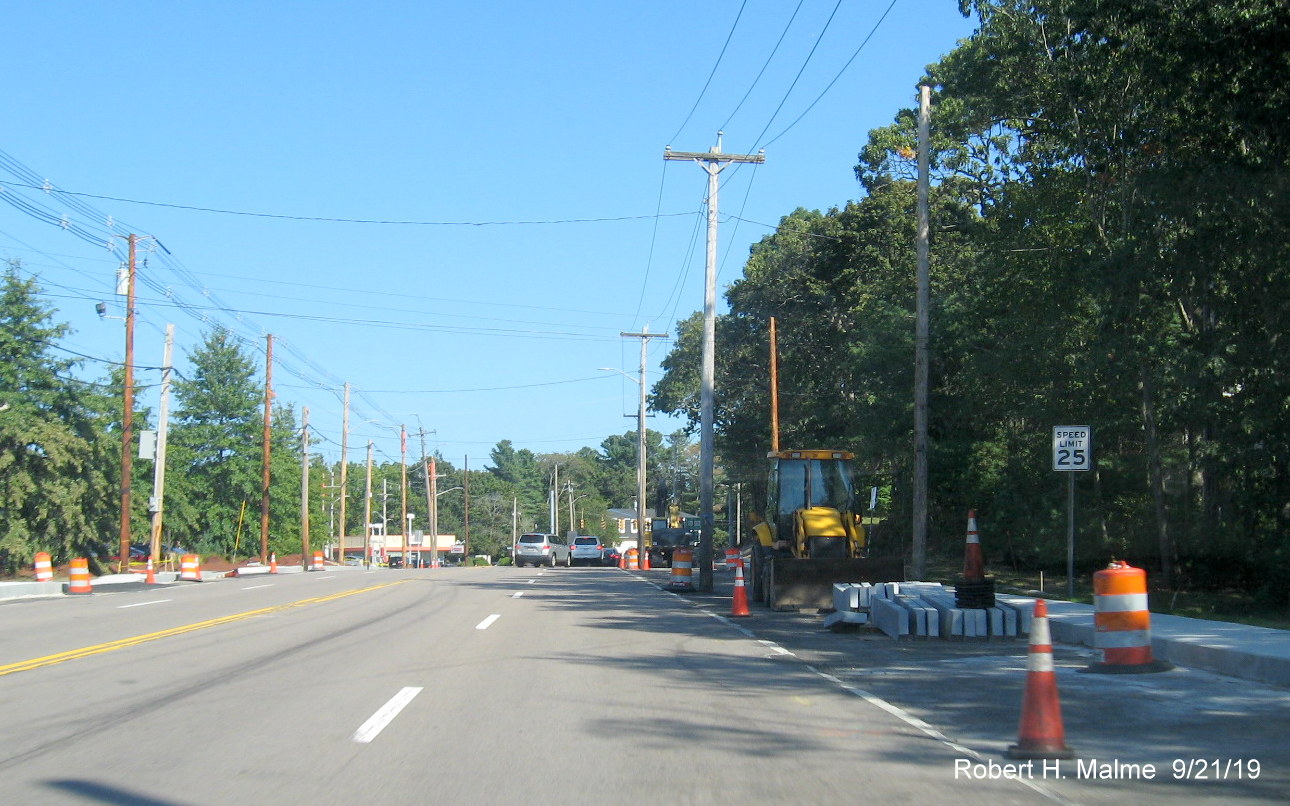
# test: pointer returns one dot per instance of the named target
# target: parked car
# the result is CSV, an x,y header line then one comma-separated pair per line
x,y
611,556
541,549
586,550
395,562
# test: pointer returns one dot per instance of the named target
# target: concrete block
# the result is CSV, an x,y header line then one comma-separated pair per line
x,y
846,596
889,617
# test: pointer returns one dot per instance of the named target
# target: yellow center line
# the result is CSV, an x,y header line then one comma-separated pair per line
x,y
98,649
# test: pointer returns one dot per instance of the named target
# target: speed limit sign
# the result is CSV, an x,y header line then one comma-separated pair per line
x,y
1072,447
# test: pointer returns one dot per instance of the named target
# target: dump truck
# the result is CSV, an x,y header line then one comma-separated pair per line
x,y
811,535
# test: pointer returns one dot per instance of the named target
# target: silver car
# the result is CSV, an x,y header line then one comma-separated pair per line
x,y
541,549
586,550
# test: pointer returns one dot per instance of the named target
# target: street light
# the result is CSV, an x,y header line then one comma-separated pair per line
x,y
640,459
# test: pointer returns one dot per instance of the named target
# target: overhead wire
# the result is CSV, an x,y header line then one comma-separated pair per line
x,y
713,72
765,65
68,194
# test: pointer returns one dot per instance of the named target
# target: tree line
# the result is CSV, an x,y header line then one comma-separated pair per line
x,y
60,462
1109,248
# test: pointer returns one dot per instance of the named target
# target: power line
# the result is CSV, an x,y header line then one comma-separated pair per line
x,y
829,86
323,219
765,65
717,64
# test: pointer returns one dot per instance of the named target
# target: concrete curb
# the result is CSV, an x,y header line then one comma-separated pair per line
x,y
1260,654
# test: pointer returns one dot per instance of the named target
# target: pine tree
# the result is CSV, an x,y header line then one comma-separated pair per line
x,y
56,474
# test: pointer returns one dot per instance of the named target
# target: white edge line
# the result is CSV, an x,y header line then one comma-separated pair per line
x,y
894,710
517,594
374,725
488,622
141,604
253,587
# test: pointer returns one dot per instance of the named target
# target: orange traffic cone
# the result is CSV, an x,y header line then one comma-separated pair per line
x,y
622,560
151,579
645,559
973,563
273,563
975,590
739,605
1041,734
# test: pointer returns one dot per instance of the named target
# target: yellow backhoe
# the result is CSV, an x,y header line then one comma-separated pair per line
x,y
812,535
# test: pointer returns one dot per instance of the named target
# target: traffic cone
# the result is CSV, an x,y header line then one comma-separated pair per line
x,y
151,579
273,563
973,563
974,590
622,560
1041,734
739,605
645,559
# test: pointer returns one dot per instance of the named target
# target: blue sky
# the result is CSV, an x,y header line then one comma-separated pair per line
x,y
455,207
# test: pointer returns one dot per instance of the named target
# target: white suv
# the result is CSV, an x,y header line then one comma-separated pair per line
x,y
539,549
586,549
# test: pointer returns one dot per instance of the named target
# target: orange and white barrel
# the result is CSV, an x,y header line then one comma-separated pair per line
x,y
190,568
682,569
732,558
1121,620
318,562
633,559
44,569
79,577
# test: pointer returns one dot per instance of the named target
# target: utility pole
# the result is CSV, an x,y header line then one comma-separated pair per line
x,y
921,339
645,336
554,501
344,473
367,510
713,163
163,428
774,387
127,414
268,442
403,495
432,512
304,490
465,486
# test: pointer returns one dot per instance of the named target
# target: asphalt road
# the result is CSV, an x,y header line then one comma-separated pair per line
x,y
504,685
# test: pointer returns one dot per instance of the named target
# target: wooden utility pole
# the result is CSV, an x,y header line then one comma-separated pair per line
x,y
641,470
465,487
305,559
403,495
127,414
159,465
713,163
367,510
432,513
921,342
344,474
268,449
774,387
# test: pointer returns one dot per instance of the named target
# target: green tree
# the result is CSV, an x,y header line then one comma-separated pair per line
x,y
216,449
56,464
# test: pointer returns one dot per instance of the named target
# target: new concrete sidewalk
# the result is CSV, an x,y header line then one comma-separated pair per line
x,y
1235,650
